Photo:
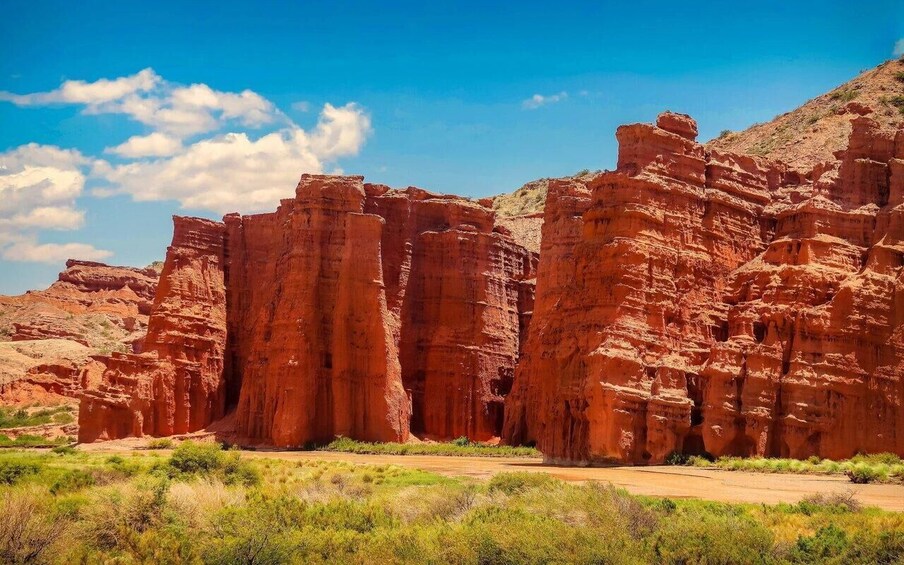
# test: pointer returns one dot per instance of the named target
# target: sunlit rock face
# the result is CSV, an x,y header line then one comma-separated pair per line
x,y
694,300
352,310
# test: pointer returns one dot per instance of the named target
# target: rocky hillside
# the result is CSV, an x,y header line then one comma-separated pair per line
x,y
802,137
812,133
46,335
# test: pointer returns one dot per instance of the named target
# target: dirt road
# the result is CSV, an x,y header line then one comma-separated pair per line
x,y
673,482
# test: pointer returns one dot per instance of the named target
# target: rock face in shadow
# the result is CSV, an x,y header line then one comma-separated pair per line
x,y
352,310
694,301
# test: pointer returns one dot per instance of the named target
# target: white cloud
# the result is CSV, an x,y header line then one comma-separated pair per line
x,y
89,93
538,100
153,145
228,172
301,106
235,173
167,107
39,185
34,252
340,131
899,48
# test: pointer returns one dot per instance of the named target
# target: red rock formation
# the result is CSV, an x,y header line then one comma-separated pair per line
x,y
176,385
91,303
370,274
717,302
315,319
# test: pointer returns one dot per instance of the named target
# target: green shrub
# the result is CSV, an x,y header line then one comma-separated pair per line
x,y
514,483
160,443
72,481
724,133
191,458
238,471
863,474
828,542
11,470
462,441
677,458
707,537
899,76
844,95
64,450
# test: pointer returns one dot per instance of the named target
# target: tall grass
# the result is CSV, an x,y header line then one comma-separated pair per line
x,y
879,467
460,447
181,508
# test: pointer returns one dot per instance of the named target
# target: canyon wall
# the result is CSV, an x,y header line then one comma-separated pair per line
x,y
176,384
352,310
691,301
698,301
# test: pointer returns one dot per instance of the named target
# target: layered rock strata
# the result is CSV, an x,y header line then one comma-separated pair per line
x,y
176,384
352,310
698,301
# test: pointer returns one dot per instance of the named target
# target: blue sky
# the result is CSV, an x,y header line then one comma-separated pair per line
x,y
208,107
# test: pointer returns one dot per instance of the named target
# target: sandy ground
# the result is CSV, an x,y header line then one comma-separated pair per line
x,y
672,482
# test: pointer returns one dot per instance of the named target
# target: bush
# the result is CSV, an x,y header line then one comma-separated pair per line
x,y
862,475
828,542
514,483
72,481
676,458
462,441
11,470
899,76
709,537
27,529
834,502
724,133
160,443
64,450
191,458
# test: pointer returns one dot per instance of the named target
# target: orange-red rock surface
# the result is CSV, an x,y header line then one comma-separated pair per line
x,y
176,385
694,301
352,310
47,336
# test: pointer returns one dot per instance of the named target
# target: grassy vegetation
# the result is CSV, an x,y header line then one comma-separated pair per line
x,y
844,95
879,468
28,440
193,506
460,447
19,417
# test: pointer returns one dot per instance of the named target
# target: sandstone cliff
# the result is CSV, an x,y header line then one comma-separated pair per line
x,y
352,310
176,385
695,300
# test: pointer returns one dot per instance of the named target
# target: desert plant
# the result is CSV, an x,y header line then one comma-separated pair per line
x,y
27,529
160,443
11,470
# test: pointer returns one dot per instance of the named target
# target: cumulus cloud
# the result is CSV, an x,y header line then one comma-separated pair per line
x,y
152,145
89,93
34,252
197,151
39,185
234,172
146,97
301,106
538,100
899,48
